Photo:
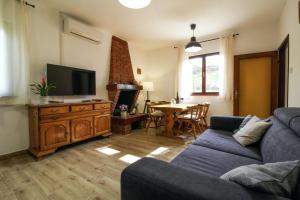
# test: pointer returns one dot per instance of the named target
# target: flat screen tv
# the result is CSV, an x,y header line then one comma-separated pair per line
x,y
70,81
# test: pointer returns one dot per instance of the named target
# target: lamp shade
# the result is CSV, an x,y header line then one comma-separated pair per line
x,y
135,4
148,86
193,46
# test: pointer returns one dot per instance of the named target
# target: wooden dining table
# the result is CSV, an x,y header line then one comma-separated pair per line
x,y
169,110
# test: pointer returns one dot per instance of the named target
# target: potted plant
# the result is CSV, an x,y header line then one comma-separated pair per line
x,y
42,89
123,110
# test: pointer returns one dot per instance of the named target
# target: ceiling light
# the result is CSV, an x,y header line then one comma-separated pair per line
x,y
193,45
135,4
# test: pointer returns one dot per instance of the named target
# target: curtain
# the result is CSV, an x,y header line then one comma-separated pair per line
x,y
184,75
14,62
226,67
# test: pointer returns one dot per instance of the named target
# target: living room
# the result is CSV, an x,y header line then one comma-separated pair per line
x,y
145,55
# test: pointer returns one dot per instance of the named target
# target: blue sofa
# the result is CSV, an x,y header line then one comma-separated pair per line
x,y
194,173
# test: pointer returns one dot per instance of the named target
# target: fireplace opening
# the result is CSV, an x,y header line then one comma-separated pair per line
x,y
127,97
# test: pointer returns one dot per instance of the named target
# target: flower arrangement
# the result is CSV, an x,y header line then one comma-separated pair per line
x,y
123,108
42,88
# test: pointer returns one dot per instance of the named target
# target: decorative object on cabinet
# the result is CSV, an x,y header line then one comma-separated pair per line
x,y
123,110
42,89
54,125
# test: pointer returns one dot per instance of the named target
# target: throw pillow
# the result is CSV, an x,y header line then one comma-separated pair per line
x,y
276,178
252,131
244,122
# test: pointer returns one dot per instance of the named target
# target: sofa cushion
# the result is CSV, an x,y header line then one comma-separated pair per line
x,y
280,143
295,125
252,132
278,178
223,141
286,115
244,122
210,161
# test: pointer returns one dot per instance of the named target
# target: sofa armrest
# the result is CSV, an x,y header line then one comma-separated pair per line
x,y
150,179
225,123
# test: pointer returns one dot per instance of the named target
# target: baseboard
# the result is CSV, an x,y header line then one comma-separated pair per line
x,y
10,155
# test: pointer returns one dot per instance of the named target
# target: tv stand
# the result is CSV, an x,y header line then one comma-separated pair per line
x,y
59,124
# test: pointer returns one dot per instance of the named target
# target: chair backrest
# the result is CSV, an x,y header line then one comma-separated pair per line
x,y
164,102
205,110
152,110
196,111
149,108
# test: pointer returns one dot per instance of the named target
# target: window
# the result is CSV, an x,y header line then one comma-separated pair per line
x,y
205,74
4,89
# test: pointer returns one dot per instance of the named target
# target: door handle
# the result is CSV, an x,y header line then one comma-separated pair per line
x,y
236,94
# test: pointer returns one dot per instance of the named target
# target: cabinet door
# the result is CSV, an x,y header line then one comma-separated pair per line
x,y
54,134
81,128
101,124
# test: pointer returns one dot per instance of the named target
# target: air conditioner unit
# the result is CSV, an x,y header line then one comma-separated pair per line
x,y
74,27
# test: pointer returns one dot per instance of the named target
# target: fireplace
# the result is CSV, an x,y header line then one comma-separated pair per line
x,y
122,87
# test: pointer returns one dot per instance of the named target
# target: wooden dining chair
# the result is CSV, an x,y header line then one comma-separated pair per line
x,y
191,120
155,117
203,117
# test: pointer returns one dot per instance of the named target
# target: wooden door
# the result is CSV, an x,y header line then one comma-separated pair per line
x,y
54,134
81,128
255,85
101,124
283,76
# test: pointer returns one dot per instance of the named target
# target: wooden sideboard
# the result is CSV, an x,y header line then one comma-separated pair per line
x,y
55,125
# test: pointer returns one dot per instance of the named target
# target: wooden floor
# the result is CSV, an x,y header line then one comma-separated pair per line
x,y
90,170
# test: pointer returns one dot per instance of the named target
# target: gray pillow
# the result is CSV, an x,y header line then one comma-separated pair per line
x,y
252,131
276,178
244,122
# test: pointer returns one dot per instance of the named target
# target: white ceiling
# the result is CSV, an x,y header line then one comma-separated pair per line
x,y
167,21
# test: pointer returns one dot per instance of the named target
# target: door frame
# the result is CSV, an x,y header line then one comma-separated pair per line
x,y
282,70
274,78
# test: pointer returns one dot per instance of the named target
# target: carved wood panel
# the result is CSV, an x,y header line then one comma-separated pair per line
x,y
54,134
102,124
82,128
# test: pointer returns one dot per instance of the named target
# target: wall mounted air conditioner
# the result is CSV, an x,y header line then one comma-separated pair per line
x,y
77,28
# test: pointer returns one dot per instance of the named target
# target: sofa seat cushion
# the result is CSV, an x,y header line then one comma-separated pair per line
x,y
210,161
223,141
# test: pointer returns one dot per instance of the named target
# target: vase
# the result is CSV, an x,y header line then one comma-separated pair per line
x,y
44,99
124,114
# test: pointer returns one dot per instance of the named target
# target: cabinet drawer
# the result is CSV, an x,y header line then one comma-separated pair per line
x,y
103,106
81,108
54,110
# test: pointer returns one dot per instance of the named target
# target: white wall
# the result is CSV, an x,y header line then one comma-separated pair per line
x,y
45,37
158,65
138,60
289,24
162,63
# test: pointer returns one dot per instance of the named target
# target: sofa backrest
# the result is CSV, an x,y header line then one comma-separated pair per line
x,y
282,140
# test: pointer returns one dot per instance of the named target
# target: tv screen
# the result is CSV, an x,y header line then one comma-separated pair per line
x,y
70,81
